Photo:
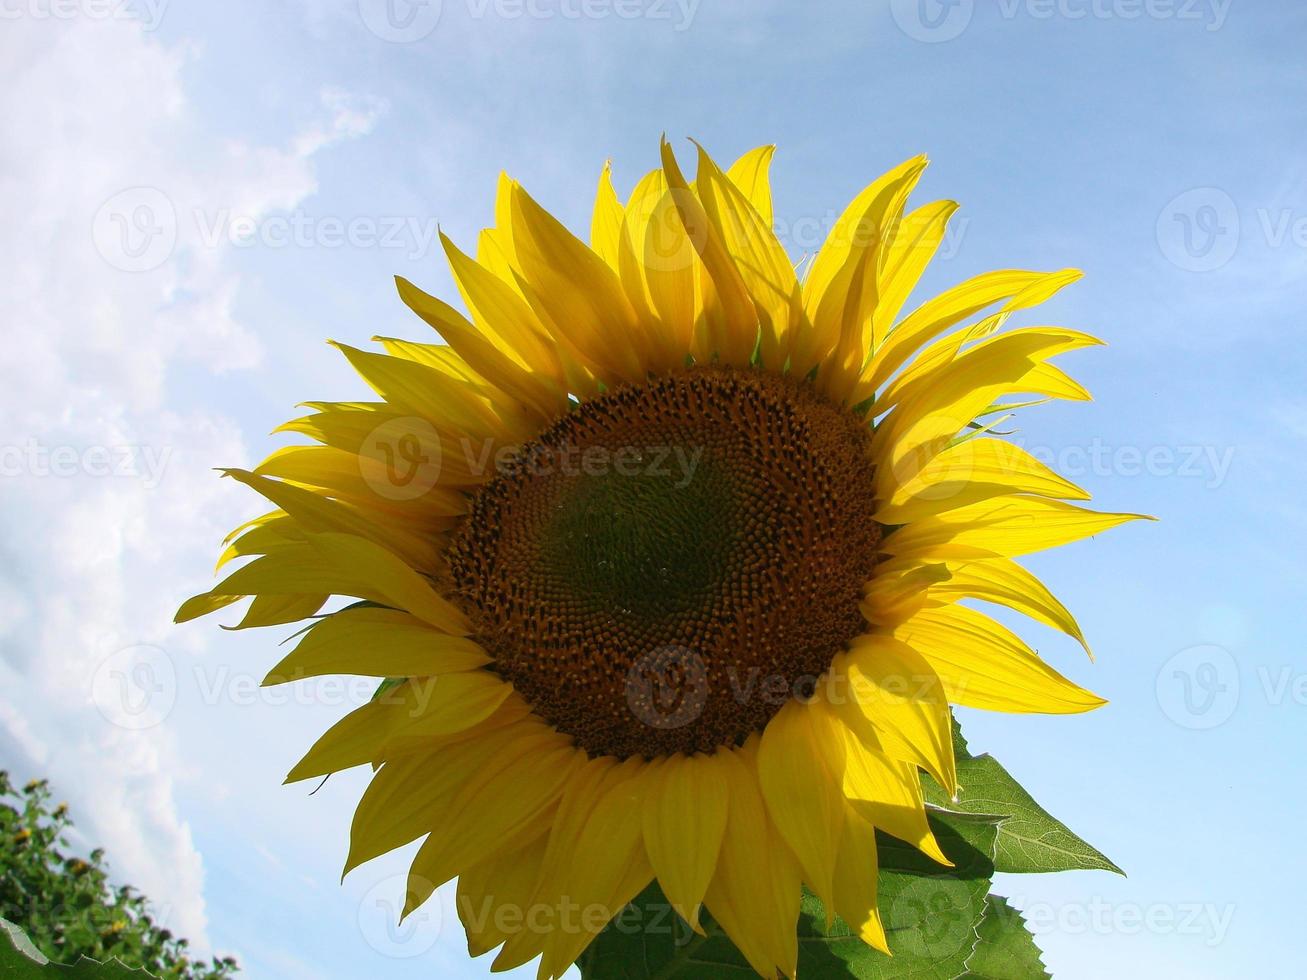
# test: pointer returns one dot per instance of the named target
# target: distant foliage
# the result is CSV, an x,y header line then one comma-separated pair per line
x,y
67,906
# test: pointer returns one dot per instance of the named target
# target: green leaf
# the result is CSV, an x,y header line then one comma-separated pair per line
x,y
941,923
649,940
1030,839
930,912
1006,949
20,960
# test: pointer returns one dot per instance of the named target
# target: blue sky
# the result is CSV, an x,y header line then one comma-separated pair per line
x,y
294,156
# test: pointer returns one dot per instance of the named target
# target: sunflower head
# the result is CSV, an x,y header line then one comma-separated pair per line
x,y
661,548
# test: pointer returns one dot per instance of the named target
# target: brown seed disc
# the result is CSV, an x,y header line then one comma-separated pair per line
x,y
667,565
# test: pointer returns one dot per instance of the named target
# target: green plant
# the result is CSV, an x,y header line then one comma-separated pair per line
x,y
67,906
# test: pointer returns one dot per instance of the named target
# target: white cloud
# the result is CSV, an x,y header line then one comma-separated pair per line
x,y
109,498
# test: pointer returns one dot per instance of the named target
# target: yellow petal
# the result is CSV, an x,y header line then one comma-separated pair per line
x,y
985,665
971,471
606,223
374,642
1021,288
482,355
763,267
409,792
580,796
385,575
683,825
421,390
914,241
1004,526
609,868
419,709
505,805
1002,581
755,900
501,314
353,477
804,798
732,321
885,791
494,896
894,690
750,173
315,513
943,402
855,881
581,296
277,610
658,264
840,290
202,605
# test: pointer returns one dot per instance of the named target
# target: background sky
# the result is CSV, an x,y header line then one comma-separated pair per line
x,y
196,196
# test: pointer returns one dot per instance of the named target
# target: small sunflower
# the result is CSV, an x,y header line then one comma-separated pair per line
x,y
661,553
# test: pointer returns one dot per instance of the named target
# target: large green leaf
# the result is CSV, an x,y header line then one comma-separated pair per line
x,y
20,960
1006,950
941,923
1029,839
930,912
650,940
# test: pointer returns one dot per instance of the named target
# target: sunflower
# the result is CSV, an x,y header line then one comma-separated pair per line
x,y
661,551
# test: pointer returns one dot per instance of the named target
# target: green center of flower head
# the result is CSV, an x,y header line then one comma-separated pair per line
x,y
668,564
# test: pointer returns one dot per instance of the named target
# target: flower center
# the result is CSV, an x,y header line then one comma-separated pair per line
x,y
667,565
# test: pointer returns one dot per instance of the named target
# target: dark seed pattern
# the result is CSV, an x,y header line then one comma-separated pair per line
x,y
668,564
